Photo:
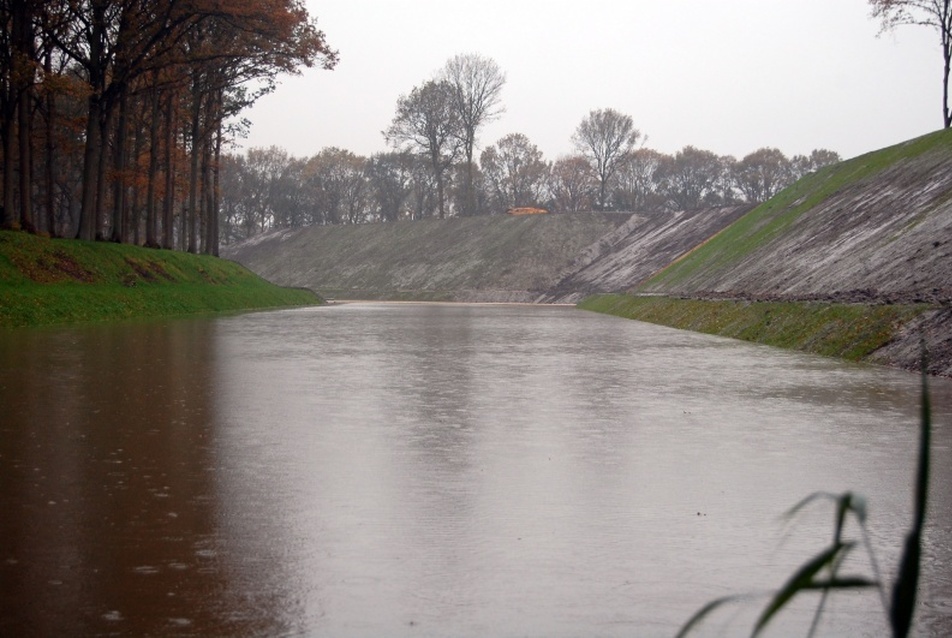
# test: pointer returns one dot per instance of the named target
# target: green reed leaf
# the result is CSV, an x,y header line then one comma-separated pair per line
x,y
802,580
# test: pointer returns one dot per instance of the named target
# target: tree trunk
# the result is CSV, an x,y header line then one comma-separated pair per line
x,y
150,218
469,194
133,216
24,50
102,176
216,197
440,195
183,227
17,48
193,174
438,175
91,153
118,230
169,203
25,137
210,185
947,59
50,151
7,216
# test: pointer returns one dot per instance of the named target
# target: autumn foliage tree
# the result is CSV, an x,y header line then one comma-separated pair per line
x,y
148,88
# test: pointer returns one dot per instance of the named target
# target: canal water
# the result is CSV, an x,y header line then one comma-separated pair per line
x,y
383,469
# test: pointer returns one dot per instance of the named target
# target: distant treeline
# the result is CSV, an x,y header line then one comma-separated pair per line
x,y
433,169
266,188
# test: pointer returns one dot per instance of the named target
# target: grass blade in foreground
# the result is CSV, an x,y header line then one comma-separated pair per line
x,y
902,608
904,593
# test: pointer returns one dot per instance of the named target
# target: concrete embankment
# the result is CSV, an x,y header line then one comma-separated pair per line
x,y
502,258
872,232
537,258
876,228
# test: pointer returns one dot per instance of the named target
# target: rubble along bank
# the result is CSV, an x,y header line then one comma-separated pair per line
x,y
885,334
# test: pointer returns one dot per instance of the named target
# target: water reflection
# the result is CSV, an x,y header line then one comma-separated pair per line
x,y
391,469
110,516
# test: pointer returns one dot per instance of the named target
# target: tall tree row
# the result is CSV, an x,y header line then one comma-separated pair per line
x,y
114,113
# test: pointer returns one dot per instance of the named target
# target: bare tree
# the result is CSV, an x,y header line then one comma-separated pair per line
x,y
390,177
725,189
636,187
515,172
929,13
477,84
264,168
604,138
762,174
428,124
690,179
340,178
572,184
817,159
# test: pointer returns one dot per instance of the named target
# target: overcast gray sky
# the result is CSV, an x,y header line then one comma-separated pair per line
x,y
729,76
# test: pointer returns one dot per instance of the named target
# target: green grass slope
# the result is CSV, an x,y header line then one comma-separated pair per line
x,y
877,226
847,331
45,281
853,261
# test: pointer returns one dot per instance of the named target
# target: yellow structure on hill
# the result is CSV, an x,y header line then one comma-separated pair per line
x,y
526,210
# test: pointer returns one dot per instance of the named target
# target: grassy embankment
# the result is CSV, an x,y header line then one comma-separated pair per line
x,y
772,219
44,281
847,331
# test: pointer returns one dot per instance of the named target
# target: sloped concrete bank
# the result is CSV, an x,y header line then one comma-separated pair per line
x,y
872,231
638,249
537,258
876,228
462,259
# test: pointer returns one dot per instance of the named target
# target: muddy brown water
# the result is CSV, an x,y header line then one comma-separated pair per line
x,y
442,470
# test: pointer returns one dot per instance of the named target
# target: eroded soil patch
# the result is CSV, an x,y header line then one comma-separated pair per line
x,y
52,267
148,270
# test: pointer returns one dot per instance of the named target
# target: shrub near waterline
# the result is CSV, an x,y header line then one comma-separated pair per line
x,y
847,331
44,281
